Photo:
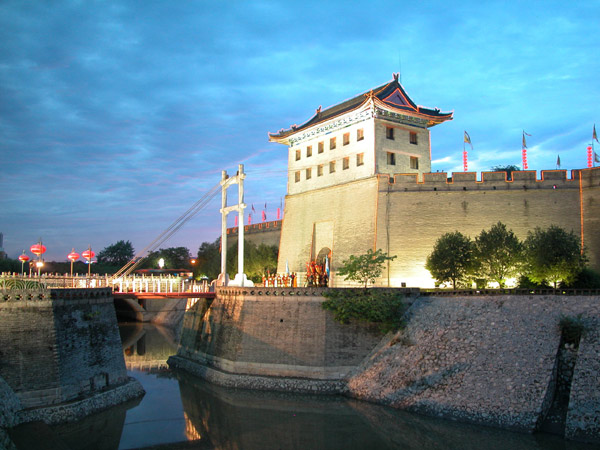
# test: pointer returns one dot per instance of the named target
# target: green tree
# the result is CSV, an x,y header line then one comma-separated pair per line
x,y
509,169
364,268
174,257
498,254
258,260
452,259
208,261
117,255
553,255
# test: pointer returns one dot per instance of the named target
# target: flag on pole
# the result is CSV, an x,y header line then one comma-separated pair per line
x,y
524,141
264,216
278,213
249,219
236,221
596,159
468,140
595,136
558,162
253,210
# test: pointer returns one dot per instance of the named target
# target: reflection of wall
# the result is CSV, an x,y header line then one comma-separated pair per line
x,y
147,346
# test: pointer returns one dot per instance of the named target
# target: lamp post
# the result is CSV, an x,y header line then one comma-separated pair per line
x,y
23,258
38,249
88,255
73,256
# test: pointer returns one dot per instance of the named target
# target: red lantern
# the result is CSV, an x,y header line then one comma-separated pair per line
x,y
88,254
590,159
23,258
37,249
73,256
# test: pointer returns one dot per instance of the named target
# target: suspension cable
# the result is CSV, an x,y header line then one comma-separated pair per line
x,y
170,231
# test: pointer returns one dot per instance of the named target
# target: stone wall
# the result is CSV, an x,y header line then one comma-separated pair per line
x,y
488,360
60,345
275,333
412,216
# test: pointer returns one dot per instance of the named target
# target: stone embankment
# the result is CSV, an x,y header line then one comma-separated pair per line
x,y
488,360
60,356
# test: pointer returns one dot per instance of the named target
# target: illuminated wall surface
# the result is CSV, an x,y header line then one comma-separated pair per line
x,y
404,217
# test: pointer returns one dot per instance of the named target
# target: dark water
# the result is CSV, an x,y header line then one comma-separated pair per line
x,y
182,412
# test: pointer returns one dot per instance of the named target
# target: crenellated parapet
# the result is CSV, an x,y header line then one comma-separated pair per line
x,y
520,180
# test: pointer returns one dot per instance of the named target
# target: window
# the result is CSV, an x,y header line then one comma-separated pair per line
x,y
308,174
331,166
320,170
360,159
345,163
331,143
297,177
391,159
413,138
297,155
360,134
321,146
309,151
389,133
414,162
346,138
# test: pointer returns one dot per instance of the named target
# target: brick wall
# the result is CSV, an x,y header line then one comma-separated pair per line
x,y
60,347
274,332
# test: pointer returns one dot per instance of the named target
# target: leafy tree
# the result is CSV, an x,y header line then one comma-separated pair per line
x,y
174,257
498,253
586,279
452,258
553,255
258,260
364,268
208,262
117,254
508,169
370,305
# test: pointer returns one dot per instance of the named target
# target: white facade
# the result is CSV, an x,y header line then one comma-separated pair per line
x,y
356,145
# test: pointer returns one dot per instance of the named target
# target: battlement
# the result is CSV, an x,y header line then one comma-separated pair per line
x,y
523,180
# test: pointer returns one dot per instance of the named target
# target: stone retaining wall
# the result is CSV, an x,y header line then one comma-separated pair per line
x,y
488,360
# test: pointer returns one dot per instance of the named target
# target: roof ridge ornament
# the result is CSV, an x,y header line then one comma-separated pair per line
x,y
319,109
396,76
370,94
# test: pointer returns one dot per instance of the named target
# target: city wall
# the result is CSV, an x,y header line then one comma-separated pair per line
x,y
270,338
488,360
59,347
267,233
404,216
412,215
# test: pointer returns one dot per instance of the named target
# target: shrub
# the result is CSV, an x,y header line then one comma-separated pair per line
x,y
375,306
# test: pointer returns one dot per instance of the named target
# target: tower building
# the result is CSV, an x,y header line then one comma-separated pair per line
x,y
359,178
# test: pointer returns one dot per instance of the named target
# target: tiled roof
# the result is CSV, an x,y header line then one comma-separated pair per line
x,y
391,94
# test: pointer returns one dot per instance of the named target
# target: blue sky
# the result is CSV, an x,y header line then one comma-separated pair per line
x,y
117,116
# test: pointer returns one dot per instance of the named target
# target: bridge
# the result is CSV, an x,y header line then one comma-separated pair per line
x,y
160,299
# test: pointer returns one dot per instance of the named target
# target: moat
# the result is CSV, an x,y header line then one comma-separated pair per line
x,y
181,411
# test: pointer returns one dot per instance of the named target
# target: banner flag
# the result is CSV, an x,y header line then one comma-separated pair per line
x,y
596,159
558,162
595,136
264,216
468,140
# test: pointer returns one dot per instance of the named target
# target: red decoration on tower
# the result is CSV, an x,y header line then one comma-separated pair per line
x,y
73,256
23,258
465,162
524,156
590,157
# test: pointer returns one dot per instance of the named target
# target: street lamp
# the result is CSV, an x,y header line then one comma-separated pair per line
x,y
23,258
73,256
161,263
38,249
88,255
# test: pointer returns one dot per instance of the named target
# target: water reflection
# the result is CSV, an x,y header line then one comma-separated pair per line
x,y
181,411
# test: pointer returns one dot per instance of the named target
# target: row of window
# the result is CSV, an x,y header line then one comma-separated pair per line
x,y
360,160
391,160
389,134
360,135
